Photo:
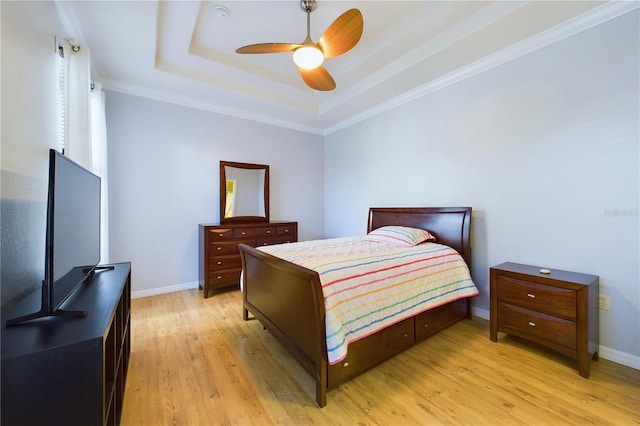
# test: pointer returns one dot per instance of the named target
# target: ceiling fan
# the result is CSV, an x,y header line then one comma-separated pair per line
x,y
340,37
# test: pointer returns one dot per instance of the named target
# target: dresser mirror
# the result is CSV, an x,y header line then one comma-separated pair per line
x,y
244,192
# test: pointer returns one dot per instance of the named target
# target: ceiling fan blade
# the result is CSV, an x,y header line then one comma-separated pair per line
x,y
268,48
318,78
342,34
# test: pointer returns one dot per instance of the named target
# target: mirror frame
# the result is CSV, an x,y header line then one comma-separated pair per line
x,y
223,192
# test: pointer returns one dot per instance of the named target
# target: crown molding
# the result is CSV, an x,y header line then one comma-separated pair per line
x,y
186,101
569,28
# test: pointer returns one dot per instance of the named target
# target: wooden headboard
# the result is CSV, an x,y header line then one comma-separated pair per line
x,y
450,225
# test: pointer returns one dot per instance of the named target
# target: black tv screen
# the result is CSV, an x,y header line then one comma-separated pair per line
x,y
73,226
72,248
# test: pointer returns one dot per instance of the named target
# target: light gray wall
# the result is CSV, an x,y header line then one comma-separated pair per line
x,y
29,129
544,148
164,180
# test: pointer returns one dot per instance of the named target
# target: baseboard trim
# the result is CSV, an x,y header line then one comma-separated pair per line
x,y
619,357
163,290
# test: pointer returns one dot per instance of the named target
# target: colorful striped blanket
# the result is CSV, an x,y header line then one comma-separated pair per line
x,y
368,285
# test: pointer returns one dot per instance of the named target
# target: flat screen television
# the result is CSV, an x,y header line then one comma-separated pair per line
x,y
72,246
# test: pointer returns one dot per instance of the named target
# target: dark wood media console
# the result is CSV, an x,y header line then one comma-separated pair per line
x,y
70,370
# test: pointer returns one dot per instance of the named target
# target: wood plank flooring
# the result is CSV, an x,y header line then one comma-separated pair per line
x,y
195,362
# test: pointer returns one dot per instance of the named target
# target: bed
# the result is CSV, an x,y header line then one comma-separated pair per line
x,y
288,299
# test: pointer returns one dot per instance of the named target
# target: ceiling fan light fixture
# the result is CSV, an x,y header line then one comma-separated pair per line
x,y
308,57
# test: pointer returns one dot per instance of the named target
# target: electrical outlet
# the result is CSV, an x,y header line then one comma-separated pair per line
x,y
604,302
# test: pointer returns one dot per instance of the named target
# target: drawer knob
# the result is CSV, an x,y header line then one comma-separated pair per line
x,y
265,244
426,325
405,335
219,263
532,324
531,295
219,248
286,231
268,231
219,277
346,364
244,233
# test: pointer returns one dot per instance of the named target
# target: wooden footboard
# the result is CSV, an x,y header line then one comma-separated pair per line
x,y
287,299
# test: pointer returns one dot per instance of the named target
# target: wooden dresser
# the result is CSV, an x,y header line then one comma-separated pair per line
x,y
558,309
220,264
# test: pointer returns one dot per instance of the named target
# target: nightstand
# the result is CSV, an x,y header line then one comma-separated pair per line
x,y
557,309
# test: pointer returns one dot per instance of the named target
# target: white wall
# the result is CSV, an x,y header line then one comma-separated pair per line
x,y
164,181
544,148
29,129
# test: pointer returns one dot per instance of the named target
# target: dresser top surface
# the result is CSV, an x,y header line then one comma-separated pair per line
x,y
247,224
554,274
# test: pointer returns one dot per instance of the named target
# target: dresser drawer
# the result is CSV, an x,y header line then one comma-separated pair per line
x,y
539,297
224,248
225,262
285,230
223,278
257,231
220,234
537,326
276,240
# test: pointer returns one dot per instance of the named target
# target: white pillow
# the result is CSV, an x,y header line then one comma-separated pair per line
x,y
399,235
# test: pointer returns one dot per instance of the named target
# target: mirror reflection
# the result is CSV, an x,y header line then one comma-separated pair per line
x,y
244,192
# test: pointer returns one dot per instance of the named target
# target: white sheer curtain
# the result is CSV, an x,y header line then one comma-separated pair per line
x,y
99,163
84,134
77,103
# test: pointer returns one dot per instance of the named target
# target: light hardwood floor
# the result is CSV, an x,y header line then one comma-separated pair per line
x,y
195,362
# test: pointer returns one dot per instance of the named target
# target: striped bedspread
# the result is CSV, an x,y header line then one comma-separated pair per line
x,y
368,286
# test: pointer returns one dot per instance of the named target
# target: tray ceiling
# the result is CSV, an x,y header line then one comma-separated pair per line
x,y
184,52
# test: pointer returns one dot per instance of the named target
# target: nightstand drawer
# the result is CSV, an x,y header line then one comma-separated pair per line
x,y
539,297
537,326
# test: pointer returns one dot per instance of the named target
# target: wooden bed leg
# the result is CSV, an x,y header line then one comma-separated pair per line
x,y
321,394
322,372
245,314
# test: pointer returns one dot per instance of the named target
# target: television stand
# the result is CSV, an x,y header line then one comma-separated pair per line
x,y
73,372
45,307
43,313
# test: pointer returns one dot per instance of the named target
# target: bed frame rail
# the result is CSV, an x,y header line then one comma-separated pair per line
x,y
280,297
